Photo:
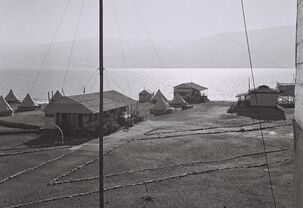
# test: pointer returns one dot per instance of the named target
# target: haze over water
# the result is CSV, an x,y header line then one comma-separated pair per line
x,y
222,84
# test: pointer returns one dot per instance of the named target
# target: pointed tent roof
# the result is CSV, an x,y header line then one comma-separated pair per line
x,y
56,96
159,95
161,104
4,106
11,97
28,102
178,100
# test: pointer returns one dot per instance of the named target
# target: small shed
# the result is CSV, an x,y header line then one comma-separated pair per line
x,y
263,96
145,96
191,92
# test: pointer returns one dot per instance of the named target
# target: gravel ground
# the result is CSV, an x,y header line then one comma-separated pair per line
x,y
193,170
166,161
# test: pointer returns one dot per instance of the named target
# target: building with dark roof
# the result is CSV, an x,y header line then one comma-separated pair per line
x,y
263,96
191,92
81,112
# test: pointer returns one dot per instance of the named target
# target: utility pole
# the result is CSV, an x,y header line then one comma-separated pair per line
x,y
101,67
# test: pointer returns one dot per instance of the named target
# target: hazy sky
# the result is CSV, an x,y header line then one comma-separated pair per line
x,y
36,20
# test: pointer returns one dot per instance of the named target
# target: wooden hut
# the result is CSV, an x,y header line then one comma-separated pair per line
x,y
191,92
81,112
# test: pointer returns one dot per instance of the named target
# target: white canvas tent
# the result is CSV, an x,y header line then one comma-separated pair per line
x,y
178,101
161,107
11,97
28,104
5,109
56,97
158,96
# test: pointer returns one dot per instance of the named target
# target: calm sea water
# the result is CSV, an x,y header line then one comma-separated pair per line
x,y
222,84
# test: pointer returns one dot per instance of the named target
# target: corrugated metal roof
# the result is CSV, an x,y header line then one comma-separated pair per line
x,y
191,85
89,103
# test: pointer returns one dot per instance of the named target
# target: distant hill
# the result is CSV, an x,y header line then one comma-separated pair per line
x,y
271,48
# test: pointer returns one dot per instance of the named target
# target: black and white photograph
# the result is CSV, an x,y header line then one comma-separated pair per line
x,y
151,103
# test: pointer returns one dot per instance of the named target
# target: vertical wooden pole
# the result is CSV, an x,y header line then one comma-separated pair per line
x,y
101,187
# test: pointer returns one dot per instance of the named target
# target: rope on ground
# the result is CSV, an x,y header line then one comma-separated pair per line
x,y
32,151
164,167
241,130
193,173
89,162
192,163
199,129
55,199
34,167
74,180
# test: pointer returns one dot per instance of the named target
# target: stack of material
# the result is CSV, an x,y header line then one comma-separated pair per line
x,y
178,101
158,97
11,97
5,109
28,104
161,107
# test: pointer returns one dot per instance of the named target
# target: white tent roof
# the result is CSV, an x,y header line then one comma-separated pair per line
x,y
11,97
161,104
28,102
178,100
56,96
4,106
159,95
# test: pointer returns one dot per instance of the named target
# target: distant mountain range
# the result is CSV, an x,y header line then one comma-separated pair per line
x,y
271,48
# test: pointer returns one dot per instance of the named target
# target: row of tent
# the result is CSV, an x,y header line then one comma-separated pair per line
x,y
163,106
27,104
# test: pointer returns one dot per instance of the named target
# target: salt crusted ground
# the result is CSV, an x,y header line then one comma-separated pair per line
x,y
202,157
